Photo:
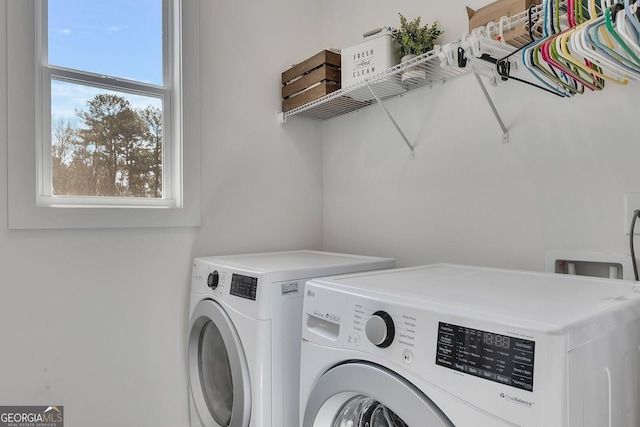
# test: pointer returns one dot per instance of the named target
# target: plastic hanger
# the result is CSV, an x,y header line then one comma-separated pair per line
x,y
540,69
604,5
631,11
608,19
631,19
550,82
571,67
568,45
552,53
626,31
610,67
606,51
623,47
546,76
604,38
503,66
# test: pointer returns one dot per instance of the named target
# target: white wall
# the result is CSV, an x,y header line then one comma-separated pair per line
x,y
262,179
468,198
96,320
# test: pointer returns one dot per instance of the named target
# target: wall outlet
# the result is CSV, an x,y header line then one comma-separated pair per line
x,y
631,203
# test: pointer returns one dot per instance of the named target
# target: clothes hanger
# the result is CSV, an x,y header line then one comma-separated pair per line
x,y
608,15
631,11
570,49
595,44
607,44
551,55
562,80
540,69
503,66
605,50
631,18
627,32
547,76
566,68
609,67
604,5
574,68
550,82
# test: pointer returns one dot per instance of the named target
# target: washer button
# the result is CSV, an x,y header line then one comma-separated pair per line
x,y
356,340
407,357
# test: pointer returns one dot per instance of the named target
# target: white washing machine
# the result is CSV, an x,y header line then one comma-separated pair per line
x,y
244,338
446,345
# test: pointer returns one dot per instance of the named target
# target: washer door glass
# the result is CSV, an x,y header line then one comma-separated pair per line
x,y
363,394
218,370
215,374
363,411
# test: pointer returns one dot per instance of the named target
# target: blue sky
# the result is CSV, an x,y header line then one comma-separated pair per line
x,y
120,38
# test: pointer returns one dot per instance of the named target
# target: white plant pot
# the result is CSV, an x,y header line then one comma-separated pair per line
x,y
413,75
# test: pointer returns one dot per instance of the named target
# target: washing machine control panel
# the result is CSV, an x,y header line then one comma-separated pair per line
x,y
494,357
415,339
386,329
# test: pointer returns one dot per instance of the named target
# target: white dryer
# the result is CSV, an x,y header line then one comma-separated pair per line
x,y
245,328
446,345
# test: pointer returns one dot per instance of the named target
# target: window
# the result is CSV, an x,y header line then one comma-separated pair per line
x,y
107,85
108,108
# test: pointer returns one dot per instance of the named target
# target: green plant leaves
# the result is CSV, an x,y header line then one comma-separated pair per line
x,y
413,38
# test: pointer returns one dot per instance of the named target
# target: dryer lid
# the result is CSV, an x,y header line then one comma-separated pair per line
x,y
301,264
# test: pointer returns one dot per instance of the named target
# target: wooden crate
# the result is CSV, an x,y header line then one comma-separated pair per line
x,y
311,79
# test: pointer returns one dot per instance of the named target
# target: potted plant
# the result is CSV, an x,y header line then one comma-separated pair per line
x,y
412,40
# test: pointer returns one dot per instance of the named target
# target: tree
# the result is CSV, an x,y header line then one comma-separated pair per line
x,y
116,150
113,132
152,118
62,149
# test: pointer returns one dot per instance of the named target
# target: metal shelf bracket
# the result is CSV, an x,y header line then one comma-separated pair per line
x,y
404,137
505,132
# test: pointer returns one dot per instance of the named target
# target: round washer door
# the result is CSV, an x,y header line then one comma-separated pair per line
x,y
218,371
364,394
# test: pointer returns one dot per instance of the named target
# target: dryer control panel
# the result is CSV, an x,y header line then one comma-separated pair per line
x,y
244,286
495,357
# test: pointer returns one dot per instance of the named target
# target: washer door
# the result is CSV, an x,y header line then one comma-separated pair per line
x,y
362,394
218,369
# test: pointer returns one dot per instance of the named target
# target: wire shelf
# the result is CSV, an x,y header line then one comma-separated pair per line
x,y
421,71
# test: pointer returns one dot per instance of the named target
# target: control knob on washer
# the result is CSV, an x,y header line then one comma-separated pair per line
x,y
213,279
380,329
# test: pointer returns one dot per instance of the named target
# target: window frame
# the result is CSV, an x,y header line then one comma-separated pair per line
x,y
29,204
49,72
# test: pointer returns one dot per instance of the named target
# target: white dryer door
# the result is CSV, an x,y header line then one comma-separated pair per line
x,y
218,370
362,394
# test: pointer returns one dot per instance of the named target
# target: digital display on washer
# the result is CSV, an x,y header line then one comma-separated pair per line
x,y
244,286
500,358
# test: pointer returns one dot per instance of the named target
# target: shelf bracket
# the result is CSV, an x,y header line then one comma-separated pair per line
x,y
505,132
404,137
